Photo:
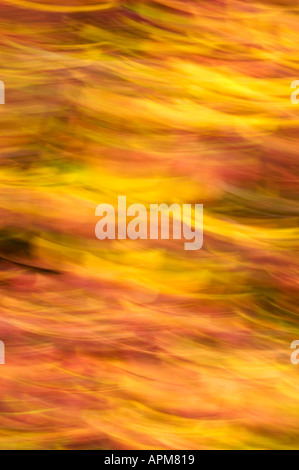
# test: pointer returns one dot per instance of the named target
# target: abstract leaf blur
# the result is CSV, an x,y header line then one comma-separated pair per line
x,y
140,344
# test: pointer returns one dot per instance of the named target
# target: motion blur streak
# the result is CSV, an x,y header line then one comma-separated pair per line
x,y
140,344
